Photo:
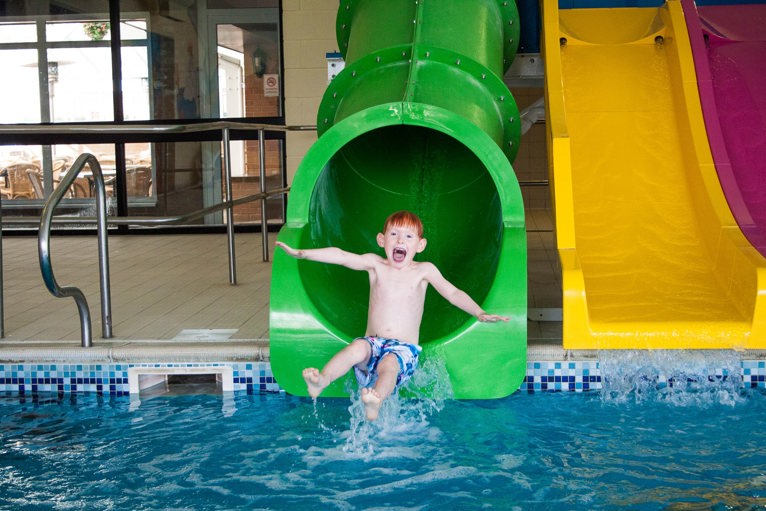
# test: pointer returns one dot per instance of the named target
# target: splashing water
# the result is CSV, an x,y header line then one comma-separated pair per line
x,y
681,378
401,417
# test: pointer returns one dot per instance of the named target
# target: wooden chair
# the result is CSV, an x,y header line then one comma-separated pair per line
x,y
80,188
81,185
19,186
60,165
139,181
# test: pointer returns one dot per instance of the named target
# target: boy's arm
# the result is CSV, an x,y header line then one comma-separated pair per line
x,y
458,297
330,255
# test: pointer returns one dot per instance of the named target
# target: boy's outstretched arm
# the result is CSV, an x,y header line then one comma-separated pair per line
x,y
459,298
330,255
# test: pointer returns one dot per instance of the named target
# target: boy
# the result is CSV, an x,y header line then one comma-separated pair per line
x,y
385,358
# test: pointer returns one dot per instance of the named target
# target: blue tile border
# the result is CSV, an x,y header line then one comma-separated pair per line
x,y
112,379
580,376
562,376
754,373
256,377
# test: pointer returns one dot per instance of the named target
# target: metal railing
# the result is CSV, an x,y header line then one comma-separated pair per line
x,y
103,253
149,132
101,219
44,250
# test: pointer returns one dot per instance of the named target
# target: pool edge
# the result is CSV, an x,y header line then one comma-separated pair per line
x,y
64,367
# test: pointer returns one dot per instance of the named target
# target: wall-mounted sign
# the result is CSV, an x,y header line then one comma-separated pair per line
x,y
270,85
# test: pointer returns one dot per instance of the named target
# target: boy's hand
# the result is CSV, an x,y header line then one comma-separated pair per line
x,y
287,248
491,318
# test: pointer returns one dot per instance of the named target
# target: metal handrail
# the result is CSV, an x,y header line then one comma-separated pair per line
x,y
150,221
136,129
150,130
143,129
82,305
44,241
44,250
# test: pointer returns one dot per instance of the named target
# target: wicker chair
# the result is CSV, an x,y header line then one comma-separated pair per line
x,y
139,181
19,186
81,185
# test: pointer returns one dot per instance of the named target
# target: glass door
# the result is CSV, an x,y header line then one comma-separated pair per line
x,y
246,84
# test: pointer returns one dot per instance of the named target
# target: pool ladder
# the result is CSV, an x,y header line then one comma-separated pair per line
x,y
44,250
46,220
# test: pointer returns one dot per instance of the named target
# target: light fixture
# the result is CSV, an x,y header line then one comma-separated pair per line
x,y
259,62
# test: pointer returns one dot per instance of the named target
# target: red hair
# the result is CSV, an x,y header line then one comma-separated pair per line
x,y
404,219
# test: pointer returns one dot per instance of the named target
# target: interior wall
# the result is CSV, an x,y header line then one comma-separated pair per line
x,y
309,33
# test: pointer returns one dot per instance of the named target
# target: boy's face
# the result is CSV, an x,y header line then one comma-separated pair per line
x,y
401,243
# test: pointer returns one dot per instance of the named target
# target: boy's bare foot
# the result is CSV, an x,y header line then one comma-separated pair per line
x,y
314,381
372,402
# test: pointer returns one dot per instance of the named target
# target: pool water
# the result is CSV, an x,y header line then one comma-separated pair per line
x,y
684,450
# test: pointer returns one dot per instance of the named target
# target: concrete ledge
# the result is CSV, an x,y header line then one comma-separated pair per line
x,y
256,350
252,350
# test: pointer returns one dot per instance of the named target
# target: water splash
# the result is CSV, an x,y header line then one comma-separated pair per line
x,y
680,377
402,417
431,381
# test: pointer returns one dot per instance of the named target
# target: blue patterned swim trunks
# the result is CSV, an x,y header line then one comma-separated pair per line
x,y
406,353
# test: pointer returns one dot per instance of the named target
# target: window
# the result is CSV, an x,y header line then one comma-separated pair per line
x,y
176,62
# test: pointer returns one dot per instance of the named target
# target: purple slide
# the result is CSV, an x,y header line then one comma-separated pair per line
x,y
729,47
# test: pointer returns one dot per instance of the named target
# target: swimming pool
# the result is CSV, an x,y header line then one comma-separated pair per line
x,y
692,448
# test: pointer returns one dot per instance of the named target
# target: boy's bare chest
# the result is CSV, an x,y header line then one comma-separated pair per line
x,y
402,284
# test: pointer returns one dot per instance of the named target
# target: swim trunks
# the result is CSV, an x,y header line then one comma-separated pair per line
x,y
406,353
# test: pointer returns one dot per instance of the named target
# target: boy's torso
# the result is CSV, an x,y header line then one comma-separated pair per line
x,y
396,301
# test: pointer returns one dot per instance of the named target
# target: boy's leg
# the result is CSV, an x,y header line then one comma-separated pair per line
x,y
388,371
357,352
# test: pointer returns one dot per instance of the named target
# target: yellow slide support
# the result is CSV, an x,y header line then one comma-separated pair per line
x,y
651,256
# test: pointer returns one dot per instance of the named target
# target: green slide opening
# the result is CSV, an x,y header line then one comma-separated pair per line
x,y
420,120
412,168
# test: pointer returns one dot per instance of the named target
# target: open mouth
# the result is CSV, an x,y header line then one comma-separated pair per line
x,y
399,255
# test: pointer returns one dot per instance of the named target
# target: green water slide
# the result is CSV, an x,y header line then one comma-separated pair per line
x,y
419,119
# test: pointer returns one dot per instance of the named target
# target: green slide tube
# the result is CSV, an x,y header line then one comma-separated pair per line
x,y
419,119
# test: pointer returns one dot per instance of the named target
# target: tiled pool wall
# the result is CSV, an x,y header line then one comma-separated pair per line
x,y
112,378
256,377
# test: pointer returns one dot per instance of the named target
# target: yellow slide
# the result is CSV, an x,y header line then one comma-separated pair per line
x,y
651,255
